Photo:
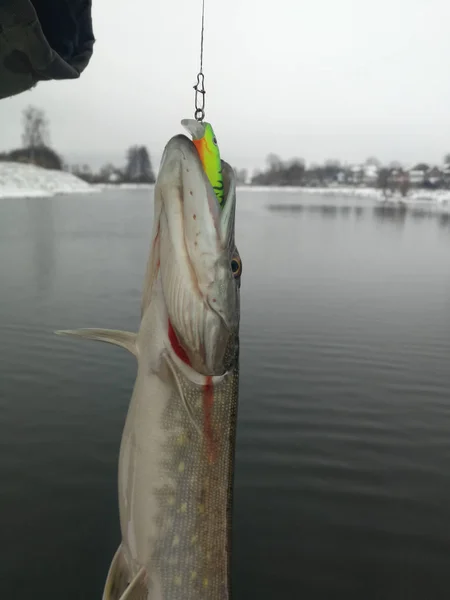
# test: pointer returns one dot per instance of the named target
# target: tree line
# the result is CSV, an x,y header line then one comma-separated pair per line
x,y
36,149
138,169
372,172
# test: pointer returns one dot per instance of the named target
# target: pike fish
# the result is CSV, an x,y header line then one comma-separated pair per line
x,y
176,457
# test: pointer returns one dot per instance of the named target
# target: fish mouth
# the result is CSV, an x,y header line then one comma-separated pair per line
x,y
193,247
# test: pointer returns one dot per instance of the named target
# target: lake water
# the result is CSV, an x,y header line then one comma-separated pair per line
x,y
343,449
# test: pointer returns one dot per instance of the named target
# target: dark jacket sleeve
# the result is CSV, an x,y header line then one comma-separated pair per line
x,y
43,40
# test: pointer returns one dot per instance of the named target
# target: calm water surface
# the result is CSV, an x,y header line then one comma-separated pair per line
x,y
343,450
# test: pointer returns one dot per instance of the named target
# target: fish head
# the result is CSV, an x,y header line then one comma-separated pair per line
x,y
196,260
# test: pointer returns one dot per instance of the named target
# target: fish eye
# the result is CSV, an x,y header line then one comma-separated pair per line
x,y
236,266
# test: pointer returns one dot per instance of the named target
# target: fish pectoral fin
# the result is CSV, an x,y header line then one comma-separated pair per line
x,y
182,395
125,339
119,583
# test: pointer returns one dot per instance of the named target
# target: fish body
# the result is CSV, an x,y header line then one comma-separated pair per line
x,y
205,141
177,450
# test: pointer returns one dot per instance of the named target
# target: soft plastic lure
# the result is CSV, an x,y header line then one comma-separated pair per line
x,y
206,143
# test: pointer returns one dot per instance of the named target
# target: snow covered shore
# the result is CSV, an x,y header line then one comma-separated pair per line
x,y
19,180
125,186
28,181
438,196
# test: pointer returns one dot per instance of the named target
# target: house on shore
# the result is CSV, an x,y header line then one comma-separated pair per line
x,y
417,174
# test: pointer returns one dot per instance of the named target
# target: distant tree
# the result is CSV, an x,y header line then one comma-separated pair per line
x,y
392,180
447,159
274,162
146,165
131,168
35,128
40,155
373,161
107,173
395,164
314,176
274,174
333,162
258,177
139,167
241,176
404,185
421,167
36,140
83,172
294,172
383,179
331,169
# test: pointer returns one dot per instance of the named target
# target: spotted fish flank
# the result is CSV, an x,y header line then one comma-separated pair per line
x,y
177,452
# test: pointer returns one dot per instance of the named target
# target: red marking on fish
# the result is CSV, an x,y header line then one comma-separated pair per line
x,y
208,401
177,347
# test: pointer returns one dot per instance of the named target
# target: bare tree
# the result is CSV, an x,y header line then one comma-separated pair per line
x,y
35,130
241,176
373,161
274,162
395,164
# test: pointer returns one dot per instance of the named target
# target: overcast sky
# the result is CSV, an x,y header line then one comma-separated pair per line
x,y
317,79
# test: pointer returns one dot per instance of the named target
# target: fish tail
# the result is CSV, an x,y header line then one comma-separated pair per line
x,y
121,585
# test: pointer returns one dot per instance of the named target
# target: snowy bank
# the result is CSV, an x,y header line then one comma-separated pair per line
x,y
124,186
319,191
18,180
438,196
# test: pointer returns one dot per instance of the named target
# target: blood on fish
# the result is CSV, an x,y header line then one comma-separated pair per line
x,y
177,347
208,401
208,395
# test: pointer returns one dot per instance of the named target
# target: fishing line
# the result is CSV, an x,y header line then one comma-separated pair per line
x,y
199,87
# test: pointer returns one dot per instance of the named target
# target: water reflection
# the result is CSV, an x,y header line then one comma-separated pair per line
x,y
346,210
286,207
343,448
382,213
444,219
421,213
390,214
42,239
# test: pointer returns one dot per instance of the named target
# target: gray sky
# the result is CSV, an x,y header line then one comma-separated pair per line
x,y
320,79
